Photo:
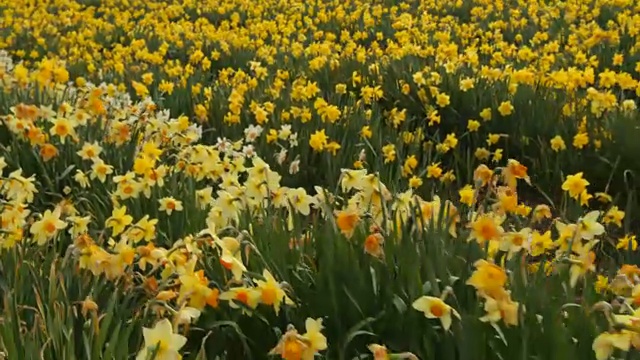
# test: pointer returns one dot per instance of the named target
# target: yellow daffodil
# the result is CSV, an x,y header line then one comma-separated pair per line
x,y
48,226
119,220
489,279
162,342
169,205
435,308
271,293
574,185
589,227
605,344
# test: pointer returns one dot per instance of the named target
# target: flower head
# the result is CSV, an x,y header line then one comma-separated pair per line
x,y
161,341
436,308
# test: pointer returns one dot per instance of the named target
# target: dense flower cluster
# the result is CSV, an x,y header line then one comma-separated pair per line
x,y
320,166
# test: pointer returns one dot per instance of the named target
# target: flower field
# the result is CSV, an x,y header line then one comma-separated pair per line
x,y
340,179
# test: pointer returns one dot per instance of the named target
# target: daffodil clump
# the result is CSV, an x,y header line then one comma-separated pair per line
x,y
340,179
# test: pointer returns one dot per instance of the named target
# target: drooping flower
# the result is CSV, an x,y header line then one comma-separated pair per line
x,y
373,245
582,263
346,220
230,256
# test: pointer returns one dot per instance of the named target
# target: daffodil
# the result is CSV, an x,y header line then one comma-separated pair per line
x,y
169,205
614,215
379,352
48,226
316,340
119,220
144,229
486,227
582,263
271,293
90,151
513,242
351,179
162,342
62,128
230,256
79,225
292,346
187,315
300,200
513,171
247,296
489,279
467,194
575,185
346,220
194,287
373,245
435,308
503,309
589,227
605,344
540,243
100,170
20,188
